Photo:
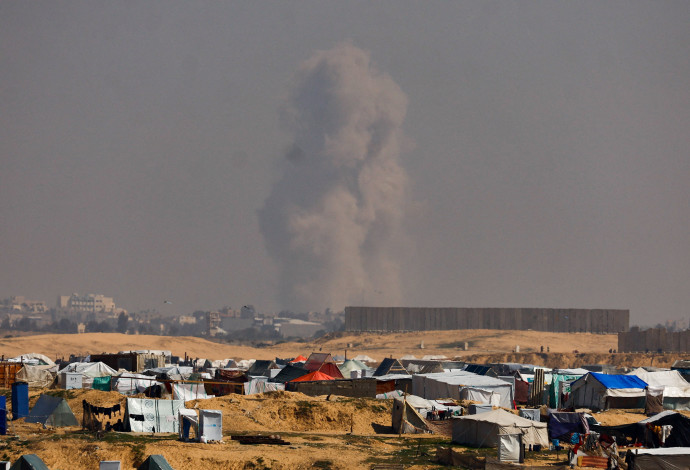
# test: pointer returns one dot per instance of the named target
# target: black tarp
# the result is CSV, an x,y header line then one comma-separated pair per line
x,y
289,373
29,462
562,423
656,461
641,432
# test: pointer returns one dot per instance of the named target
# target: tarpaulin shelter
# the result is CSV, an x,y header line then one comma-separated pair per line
x,y
313,376
88,371
37,376
189,391
352,365
207,425
29,462
662,459
52,411
261,368
390,366
155,462
675,389
131,384
643,432
323,362
406,419
557,377
261,385
601,391
299,358
484,429
561,423
288,373
33,359
149,415
464,385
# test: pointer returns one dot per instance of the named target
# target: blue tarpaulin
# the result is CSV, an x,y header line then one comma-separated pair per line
x,y
619,381
562,423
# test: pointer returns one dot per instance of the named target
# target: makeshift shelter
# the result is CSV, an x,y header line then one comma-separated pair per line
x,y
313,376
389,383
406,419
674,388
323,362
131,384
464,385
261,368
390,366
642,433
207,425
562,423
601,391
52,411
149,415
155,462
299,358
40,376
87,370
364,358
33,359
261,385
189,391
557,390
484,429
29,462
666,458
347,367
288,373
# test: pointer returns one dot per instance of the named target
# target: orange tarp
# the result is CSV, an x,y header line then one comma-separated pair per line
x,y
310,377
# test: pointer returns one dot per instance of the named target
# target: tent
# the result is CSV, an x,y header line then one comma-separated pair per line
x,y
484,429
261,368
155,462
464,385
37,376
406,419
364,358
313,376
323,362
87,370
352,365
149,415
52,411
601,391
676,390
669,457
33,359
131,384
29,462
288,373
561,423
208,425
299,358
639,432
261,385
390,366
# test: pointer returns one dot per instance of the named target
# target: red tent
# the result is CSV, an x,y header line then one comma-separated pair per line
x,y
299,358
312,376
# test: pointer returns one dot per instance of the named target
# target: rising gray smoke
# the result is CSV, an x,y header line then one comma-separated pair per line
x,y
333,221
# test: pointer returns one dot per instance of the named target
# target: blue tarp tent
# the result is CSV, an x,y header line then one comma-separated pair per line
x,y
603,391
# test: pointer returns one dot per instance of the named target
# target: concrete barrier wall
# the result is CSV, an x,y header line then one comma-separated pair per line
x,y
653,340
539,319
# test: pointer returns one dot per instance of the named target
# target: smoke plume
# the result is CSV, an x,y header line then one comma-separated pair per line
x,y
333,220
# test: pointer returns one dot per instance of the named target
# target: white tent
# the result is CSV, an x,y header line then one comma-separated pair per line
x,y
463,385
33,359
131,384
88,371
37,376
676,389
484,429
149,415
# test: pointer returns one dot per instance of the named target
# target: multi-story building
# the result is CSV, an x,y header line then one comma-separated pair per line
x,y
94,303
19,303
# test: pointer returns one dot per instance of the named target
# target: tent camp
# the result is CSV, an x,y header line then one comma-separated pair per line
x,y
602,391
29,462
149,415
639,432
484,429
463,385
52,411
676,390
155,462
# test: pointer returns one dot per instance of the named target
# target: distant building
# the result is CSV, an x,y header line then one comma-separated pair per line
x,y
93,303
19,303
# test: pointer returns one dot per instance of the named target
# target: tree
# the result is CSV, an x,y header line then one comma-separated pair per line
x,y
122,321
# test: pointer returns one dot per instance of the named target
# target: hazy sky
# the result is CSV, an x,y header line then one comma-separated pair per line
x,y
436,153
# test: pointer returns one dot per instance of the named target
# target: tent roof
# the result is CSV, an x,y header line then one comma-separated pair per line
x,y
618,381
289,373
353,364
155,462
41,358
312,376
299,358
53,411
390,366
29,462
674,384
317,360
503,418
90,369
